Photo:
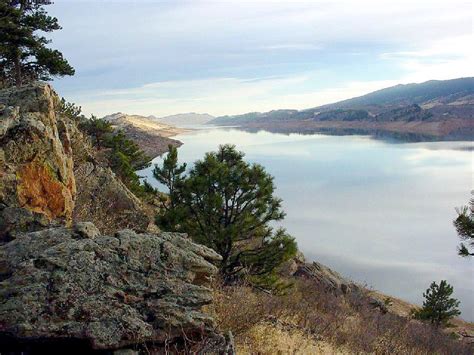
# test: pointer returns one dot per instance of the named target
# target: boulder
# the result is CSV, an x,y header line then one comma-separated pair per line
x,y
15,220
76,287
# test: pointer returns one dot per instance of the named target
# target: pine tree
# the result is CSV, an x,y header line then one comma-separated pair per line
x,y
98,129
120,143
124,155
438,306
170,175
24,55
464,225
227,204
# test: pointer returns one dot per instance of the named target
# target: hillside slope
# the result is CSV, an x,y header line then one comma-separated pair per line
x,y
444,91
69,285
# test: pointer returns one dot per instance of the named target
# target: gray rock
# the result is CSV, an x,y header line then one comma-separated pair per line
x,y
326,278
111,291
374,302
86,230
14,220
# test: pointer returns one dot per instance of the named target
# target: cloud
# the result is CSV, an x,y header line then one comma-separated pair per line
x,y
442,59
292,46
239,56
219,96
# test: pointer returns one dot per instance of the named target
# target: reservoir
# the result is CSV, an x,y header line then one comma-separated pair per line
x,y
379,212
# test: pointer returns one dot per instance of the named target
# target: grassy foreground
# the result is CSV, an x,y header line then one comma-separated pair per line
x,y
307,320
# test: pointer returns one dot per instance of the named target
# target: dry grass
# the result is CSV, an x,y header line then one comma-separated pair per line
x,y
308,320
270,339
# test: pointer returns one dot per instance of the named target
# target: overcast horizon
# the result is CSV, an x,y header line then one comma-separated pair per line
x,y
161,58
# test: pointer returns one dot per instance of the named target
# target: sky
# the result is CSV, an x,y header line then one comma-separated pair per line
x,y
230,57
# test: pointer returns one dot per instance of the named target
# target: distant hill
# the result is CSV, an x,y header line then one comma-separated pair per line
x,y
152,136
121,120
438,108
185,119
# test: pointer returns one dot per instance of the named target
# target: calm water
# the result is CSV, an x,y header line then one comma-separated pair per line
x,y
379,213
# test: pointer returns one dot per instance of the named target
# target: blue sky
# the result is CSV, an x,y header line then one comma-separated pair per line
x,y
229,57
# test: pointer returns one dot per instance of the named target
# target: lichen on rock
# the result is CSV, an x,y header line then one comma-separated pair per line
x,y
44,155
111,291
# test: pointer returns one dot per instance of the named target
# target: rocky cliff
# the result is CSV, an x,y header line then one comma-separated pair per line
x,y
69,284
36,162
50,173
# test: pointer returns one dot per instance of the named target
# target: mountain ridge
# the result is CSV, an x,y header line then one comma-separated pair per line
x,y
434,108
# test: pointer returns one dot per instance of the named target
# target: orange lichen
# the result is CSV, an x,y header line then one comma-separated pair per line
x,y
40,191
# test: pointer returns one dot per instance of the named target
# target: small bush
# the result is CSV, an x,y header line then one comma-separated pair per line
x,y
438,306
69,109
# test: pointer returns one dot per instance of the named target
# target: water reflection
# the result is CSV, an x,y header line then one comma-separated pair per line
x,y
388,136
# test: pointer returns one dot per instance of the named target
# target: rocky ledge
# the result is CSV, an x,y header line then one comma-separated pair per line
x,y
106,292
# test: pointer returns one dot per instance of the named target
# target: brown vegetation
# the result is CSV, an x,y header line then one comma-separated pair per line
x,y
309,320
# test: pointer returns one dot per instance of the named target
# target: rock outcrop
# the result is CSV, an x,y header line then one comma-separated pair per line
x,y
105,292
322,276
325,277
43,157
36,163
